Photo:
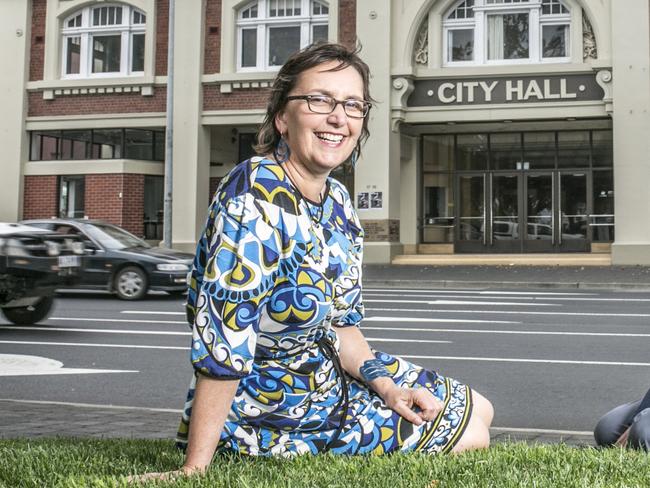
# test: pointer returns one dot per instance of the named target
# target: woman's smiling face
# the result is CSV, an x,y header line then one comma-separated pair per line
x,y
321,142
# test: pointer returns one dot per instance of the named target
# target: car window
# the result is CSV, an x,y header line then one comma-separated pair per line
x,y
112,237
67,229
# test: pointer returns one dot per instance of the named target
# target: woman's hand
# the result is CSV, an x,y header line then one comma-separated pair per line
x,y
403,401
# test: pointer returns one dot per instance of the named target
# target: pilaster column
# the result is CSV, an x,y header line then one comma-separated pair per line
x,y
14,52
191,139
631,87
378,171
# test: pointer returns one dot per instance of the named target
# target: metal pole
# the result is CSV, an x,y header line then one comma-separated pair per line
x,y
169,134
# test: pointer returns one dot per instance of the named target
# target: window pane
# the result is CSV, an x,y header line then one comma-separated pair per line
x,y
554,41
246,143
283,41
139,144
159,145
153,206
602,219
73,55
438,153
137,49
75,144
249,48
508,36
539,149
472,151
319,33
438,225
573,149
505,151
603,149
45,145
106,54
461,45
71,196
107,143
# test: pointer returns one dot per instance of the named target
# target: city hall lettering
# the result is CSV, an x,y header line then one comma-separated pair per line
x,y
446,92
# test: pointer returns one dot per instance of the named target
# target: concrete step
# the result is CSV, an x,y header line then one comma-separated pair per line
x,y
566,259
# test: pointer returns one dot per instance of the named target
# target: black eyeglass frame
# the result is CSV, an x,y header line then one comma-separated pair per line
x,y
308,99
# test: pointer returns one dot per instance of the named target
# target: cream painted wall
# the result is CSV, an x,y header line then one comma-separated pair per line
x,y
379,167
14,42
191,139
631,73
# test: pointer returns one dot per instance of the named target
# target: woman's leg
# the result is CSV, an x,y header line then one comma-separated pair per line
x,y
477,432
483,408
639,435
614,423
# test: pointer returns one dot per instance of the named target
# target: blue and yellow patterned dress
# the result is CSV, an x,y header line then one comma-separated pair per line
x,y
274,276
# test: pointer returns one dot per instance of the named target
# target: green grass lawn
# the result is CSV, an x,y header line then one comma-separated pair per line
x,y
104,463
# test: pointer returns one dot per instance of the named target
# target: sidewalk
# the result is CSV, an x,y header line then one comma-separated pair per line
x,y
619,278
46,420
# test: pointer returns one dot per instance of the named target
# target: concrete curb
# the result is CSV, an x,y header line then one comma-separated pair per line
x,y
433,284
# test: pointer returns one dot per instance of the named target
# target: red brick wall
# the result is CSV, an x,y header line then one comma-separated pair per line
x,y
40,197
162,31
37,47
348,22
212,53
103,200
113,103
213,99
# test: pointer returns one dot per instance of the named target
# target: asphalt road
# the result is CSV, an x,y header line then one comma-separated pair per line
x,y
551,360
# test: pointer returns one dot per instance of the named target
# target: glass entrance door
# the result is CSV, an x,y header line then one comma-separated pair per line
x,y
523,212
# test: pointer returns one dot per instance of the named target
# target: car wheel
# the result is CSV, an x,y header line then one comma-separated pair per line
x,y
131,283
31,314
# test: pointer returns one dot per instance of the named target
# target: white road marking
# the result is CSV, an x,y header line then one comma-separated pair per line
x,y
523,360
427,319
533,298
138,321
152,312
102,331
26,365
511,312
428,341
463,302
515,332
92,405
478,292
86,344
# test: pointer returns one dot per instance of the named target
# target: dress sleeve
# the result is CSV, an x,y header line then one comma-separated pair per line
x,y
240,252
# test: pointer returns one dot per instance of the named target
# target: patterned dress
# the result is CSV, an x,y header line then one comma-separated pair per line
x,y
274,276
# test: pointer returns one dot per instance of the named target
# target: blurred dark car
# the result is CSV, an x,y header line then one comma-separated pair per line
x,y
33,263
121,262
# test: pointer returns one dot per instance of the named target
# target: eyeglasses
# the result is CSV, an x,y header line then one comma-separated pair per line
x,y
323,104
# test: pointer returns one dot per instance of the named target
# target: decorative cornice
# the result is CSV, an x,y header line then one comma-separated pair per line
x,y
604,79
402,88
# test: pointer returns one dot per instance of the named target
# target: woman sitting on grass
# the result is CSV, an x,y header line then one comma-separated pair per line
x,y
281,365
626,425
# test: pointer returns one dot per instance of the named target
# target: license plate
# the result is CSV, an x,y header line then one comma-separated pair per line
x,y
69,261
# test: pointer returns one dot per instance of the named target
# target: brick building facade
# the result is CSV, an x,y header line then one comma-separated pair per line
x,y
478,133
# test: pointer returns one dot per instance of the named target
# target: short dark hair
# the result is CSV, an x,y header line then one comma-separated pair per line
x,y
299,62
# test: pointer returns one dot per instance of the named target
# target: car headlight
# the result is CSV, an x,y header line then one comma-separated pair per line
x,y
172,267
53,248
13,247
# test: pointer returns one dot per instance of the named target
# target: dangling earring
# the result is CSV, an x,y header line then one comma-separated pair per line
x,y
282,151
353,157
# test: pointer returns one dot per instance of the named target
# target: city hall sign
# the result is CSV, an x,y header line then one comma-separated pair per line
x,y
498,90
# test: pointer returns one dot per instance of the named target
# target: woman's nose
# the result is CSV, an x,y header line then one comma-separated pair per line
x,y
338,116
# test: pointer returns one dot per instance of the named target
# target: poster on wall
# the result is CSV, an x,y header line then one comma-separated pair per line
x,y
363,200
376,199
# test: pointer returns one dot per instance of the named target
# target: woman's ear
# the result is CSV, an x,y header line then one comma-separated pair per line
x,y
280,122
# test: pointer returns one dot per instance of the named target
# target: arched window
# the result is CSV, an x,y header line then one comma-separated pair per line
x,y
104,40
506,32
268,31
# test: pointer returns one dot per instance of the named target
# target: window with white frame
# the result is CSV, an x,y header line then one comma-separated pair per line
x,y
103,40
269,31
506,32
